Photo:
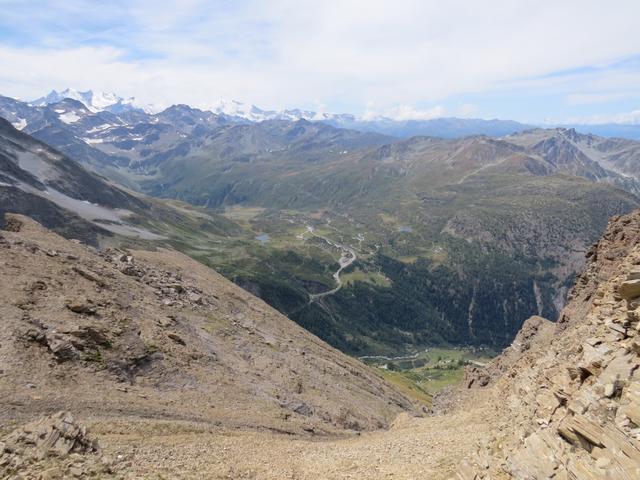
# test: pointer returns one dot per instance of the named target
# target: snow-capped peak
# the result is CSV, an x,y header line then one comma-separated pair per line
x,y
252,113
238,109
96,101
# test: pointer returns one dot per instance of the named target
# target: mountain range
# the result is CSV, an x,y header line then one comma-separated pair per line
x,y
420,255
444,127
437,233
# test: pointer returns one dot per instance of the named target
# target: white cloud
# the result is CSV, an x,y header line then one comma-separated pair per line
x,y
467,110
596,97
626,118
286,53
404,113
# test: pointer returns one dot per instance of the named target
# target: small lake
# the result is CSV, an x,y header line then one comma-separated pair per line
x,y
405,229
263,238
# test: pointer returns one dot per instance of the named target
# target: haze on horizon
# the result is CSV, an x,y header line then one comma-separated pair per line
x,y
532,61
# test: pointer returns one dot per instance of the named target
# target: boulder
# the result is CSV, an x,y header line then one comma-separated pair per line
x,y
629,289
61,346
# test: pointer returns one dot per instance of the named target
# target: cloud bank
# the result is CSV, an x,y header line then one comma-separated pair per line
x,y
409,58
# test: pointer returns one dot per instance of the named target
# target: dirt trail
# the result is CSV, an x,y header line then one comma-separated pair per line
x,y
413,448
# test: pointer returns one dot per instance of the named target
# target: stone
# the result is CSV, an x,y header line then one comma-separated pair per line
x,y
60,346
195,298
629,289
79,306
126,258
547,404
537,459
620,368
165,322
12,223
89,275
53,447
611,389
90,336
617,328
578,428
176,338
53,473
76,472
303,409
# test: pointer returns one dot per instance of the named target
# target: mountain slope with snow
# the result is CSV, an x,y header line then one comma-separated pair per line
x,y
96,101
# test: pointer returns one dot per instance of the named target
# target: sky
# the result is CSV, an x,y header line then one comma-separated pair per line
x,y
560,61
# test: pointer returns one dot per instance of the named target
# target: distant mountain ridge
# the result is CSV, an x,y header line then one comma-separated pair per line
x,y
443,127
96,101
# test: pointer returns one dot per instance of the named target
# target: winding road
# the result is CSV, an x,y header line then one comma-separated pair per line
x,y
347,258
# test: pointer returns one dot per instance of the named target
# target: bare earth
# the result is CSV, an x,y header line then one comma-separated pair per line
x,y
414,448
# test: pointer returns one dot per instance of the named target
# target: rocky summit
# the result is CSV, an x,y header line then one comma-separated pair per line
x,y
177,372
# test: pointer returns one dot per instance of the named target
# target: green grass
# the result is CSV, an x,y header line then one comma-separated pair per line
x,y
373,278
433,369
407,385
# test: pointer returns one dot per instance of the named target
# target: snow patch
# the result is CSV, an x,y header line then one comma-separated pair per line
x,y
69,117
100,128
20,124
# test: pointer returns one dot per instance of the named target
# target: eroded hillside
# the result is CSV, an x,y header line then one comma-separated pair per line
x,y
142,335
183,375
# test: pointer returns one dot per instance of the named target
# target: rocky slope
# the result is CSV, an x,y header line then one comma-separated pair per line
x,y
143,335
569,393
55,446
142,360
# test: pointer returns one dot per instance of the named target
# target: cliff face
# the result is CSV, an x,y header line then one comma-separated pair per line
x,y
567,395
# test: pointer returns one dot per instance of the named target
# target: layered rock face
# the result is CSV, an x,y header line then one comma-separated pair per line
x,y
567,395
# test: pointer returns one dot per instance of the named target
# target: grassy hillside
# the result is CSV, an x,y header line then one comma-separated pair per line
x,y
457,241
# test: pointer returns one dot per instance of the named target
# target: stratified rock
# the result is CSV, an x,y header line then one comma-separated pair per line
x,y
570,399
39,449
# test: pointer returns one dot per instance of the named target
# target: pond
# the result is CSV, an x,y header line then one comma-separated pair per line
x,y
263,238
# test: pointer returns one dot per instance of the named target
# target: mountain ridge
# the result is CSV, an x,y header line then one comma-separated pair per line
x,y
444,127
512,213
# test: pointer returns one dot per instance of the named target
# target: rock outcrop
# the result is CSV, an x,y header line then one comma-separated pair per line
x,y
567,395
53,447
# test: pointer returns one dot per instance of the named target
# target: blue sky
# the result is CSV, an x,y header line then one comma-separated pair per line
x,y
533,61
